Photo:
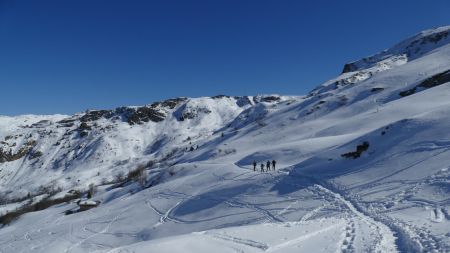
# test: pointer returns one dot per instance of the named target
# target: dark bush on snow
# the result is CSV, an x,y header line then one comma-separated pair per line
x,y
91,191
139,174
41,205
359,150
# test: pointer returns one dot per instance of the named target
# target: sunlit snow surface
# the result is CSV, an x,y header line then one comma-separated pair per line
x,y
393,198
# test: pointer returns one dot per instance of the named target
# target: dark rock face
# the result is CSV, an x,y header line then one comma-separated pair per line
x,y
349,67
169,103
430,82
186,111
267,99
243,101
8,155
41,124
84,129
84,133
414,48
96,115
69,122
156,112
84,126
353,66
406,93
436,80
220,96
191,114
270,99
145,114
437,36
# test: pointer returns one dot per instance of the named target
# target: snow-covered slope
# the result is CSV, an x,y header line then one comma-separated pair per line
x,y
362,166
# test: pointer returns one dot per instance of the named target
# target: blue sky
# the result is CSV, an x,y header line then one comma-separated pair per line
x,y
68,56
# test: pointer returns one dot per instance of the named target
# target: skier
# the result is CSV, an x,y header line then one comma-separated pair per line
x,y
254,165
273,164
262,167
268,165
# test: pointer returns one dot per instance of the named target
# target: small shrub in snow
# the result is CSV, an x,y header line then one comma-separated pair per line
x,y
224,152
138,175
41,205
359,150
91,191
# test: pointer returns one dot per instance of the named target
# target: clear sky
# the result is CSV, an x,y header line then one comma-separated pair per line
x,y
65,56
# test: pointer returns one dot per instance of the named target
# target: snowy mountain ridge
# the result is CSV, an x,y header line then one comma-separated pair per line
x,y
409,49
46,144
362,166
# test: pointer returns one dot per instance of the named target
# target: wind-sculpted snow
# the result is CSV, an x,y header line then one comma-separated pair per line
x,y
359,168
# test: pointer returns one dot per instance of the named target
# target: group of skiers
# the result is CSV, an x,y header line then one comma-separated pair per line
x,y
269,165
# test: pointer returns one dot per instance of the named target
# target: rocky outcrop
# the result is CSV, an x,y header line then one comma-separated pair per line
x,y
267,99
68,122
8,155
349,67
83,129
416,46
436,80
42,124
169,103
96,115
431,82
411,48
243,101
220,96
155,112
145,114
192,112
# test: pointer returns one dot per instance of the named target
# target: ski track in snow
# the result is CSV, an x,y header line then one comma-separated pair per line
x,y
302,238
104,230
311,213
238,240
386,239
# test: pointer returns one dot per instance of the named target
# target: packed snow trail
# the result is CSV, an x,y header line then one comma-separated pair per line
x,y
385,239
387,242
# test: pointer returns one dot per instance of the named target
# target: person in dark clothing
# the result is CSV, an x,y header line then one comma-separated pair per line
x,y
273,164
262,167
268,165
254,165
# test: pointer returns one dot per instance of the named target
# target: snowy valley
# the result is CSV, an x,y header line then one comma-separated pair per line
x,y
362,166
